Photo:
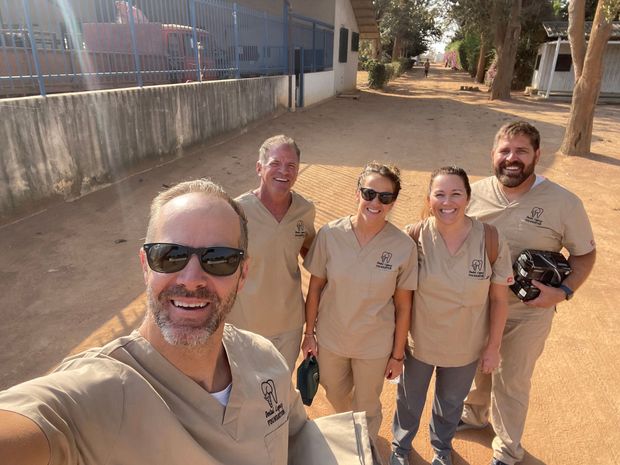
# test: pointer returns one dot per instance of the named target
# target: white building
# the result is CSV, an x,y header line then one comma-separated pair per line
x,y
554,74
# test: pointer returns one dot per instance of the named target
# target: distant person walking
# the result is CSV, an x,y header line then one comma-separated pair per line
x,y
427,66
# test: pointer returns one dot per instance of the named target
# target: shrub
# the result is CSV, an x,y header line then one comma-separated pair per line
x,y
405,63
377,74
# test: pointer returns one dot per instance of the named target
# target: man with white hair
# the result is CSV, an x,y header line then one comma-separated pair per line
x,y
281,227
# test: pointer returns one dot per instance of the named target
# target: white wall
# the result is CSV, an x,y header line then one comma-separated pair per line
x,y
318,86
345,74
564,82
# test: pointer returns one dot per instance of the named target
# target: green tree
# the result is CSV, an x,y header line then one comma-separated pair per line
x,y
407,27
512,27
473,18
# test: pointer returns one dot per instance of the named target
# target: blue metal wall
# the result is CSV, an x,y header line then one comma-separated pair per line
x,y
73,45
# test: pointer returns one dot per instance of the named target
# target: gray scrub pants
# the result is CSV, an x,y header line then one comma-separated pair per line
x,y
451,387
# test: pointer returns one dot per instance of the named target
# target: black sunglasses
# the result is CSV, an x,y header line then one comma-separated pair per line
x,y
170,258
385,198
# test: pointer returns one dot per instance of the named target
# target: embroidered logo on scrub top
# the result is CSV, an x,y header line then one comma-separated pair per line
x,y
276,410
476,269
534,216
300,229
384,263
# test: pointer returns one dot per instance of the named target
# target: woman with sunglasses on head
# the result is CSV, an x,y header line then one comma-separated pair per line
x,y
363,271
459,313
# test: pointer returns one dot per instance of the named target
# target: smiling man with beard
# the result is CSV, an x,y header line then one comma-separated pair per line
x,y
185,388
532,212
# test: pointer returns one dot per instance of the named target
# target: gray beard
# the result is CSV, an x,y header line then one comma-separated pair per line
x,y
178,334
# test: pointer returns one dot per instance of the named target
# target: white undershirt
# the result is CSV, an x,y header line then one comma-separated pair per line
x,y
223,395
539,179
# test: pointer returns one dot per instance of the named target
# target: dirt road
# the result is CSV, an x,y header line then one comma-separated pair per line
x,y
70,278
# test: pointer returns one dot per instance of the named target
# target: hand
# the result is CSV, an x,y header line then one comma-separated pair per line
x,y
489,360
393,369
548,297
309,346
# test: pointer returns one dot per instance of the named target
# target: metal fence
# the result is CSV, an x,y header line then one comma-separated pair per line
x,y
72,45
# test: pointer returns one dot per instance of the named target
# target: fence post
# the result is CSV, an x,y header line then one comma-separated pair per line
x,y
33,47
552,70
132,30
287,53
301,77
266,42
313,47
285,34
192,13
236,38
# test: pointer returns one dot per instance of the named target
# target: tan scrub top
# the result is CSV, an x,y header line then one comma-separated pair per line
x,y
356,312
450,323
126,404
271,301
548,217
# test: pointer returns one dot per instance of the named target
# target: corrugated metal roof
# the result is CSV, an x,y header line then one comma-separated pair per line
x,y
557,29
366,20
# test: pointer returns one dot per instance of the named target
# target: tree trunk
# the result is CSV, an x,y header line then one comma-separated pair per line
x,y
397,49
576,34
482,59
507,53
375,49
578,135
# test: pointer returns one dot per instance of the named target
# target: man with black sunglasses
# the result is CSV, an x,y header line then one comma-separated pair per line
x,y
184,387
281,227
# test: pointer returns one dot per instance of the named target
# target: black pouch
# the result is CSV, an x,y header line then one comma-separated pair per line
x,y
308,379
550,268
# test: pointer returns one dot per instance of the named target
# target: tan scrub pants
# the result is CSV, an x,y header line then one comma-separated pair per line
x,y
504,396
288,344
354,384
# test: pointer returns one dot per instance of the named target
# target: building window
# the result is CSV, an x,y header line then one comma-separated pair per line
x,y
537,62
355,41
344,45
564,62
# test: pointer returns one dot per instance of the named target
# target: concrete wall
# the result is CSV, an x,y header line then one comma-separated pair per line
x,y
318,86
345,74
63,146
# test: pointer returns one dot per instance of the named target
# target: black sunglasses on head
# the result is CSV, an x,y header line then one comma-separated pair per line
x,y
170,258
385,198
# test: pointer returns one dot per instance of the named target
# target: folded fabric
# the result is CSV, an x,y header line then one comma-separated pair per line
x,y
308,379
340,439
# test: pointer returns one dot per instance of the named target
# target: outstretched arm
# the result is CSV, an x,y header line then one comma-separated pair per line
x,y
21,440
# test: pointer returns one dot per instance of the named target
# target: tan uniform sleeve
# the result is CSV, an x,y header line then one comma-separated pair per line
x,y
61,404
310,230
316,260
578,237
502,268
340,439
408,274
